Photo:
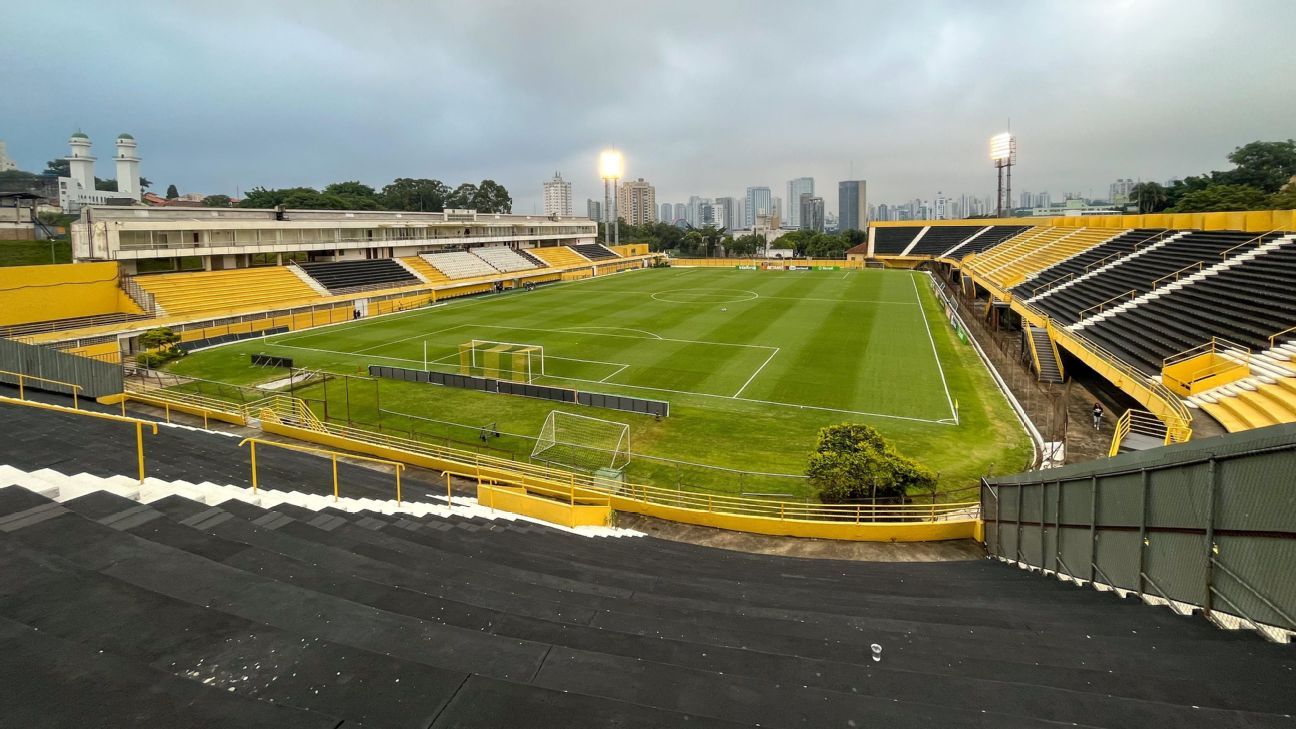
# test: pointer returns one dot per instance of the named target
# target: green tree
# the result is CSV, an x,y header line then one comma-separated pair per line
x,y
692,244
1285,199
746,245
58,168
491,197
1151,197
1266,166
172,193
405,193
217,201
462,197
352,188
853,462
1219,198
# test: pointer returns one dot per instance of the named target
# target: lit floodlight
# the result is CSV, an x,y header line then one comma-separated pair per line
x,y
611,165
1002,148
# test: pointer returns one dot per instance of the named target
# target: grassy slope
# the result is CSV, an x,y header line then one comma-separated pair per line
x,y
848,341
33,253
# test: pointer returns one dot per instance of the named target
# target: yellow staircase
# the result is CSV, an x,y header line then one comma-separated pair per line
x,y
557,256
1252,403
420,266
203,292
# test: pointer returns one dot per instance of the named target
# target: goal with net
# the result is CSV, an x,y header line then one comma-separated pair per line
x,y
501,360
583,442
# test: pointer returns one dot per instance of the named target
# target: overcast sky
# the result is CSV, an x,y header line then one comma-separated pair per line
x,y
704,97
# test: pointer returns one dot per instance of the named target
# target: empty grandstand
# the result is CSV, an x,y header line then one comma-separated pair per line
x,y
343,276
504,259
594,252
460,264
558,256
206,291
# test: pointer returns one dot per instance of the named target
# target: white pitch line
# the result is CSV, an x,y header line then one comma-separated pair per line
x,y
614,374
623,336
923,312
757,372
406,339
580,330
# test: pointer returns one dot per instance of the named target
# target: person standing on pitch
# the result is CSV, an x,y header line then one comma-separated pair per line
x,y
1097,415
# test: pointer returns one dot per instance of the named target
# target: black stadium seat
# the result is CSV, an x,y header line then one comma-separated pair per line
x,y
594,252
342,276
941,238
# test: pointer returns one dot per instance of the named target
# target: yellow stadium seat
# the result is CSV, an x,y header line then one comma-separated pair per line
x,y
208,292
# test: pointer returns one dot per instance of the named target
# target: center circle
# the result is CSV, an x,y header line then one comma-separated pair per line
x,y
705,296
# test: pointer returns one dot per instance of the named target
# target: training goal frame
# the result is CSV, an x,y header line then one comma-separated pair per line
x,y
583,442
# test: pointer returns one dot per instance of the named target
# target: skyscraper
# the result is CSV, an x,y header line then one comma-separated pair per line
x,y
852,205
693,216
594,210
666,212
726,212
680,211
637,202
941,209
1118,193
758,202
810,211
796,188
558,196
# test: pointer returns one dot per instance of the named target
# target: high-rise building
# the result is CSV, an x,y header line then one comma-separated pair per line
x,y
558,196
637,202
726,213
852,205
6,164
594,210
810,212
758,203
693,214
680,211
776,205
796,188
1120,191
941,209
667,210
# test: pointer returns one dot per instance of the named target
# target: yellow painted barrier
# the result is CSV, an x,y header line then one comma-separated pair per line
x,y
518,500
24,378
252,443
1210,365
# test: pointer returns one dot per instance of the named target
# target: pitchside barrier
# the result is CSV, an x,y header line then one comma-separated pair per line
x,y
196,344
659,408
269,360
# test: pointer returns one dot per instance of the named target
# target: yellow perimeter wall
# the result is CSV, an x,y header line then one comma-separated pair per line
x,y
44,293
1255,221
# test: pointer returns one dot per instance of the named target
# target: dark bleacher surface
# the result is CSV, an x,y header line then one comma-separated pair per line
x,y
989,239
1245,304
184,614
941,238
1138,272
888,241
531,257
1095,257
340,276
594,251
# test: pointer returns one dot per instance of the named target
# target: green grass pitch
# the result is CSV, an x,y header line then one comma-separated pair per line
x,y
752,362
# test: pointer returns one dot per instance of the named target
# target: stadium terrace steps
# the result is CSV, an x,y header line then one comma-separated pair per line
x,y
1067,271
594,251
245,288
1048,368
1007,267
558,256
892,241
345,276
991,237
425,270
503,258
940,238
412,621
1245,298
460,264
1140,270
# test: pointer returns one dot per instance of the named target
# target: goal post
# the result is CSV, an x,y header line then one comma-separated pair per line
x,y
583,442
501,360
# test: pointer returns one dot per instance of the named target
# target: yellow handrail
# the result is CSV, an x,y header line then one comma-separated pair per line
x,y
333,456
1273,338
1080,315
1197,265
1247,242
139,424
22,376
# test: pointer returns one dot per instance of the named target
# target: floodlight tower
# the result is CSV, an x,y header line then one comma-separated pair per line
x,y
1003,153
611,168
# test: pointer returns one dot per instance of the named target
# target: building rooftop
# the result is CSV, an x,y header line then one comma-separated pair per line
x,y
124,135
80,135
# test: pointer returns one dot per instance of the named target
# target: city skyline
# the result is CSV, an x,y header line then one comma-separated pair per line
x,y
936,80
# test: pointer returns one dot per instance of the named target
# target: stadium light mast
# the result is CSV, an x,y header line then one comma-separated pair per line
x,y
1003,153
611,168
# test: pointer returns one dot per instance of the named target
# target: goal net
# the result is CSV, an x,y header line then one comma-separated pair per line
x,y
501,360
583,442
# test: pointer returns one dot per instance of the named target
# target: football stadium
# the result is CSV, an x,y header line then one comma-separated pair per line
x,y
411,457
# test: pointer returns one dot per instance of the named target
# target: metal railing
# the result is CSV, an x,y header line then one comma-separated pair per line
x,y
24,377
1156,283
1102,305
1142,422
1259,238
333,456
139,424
293,412
1273,338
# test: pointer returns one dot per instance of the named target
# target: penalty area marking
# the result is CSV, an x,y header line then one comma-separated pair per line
x,y
585,330
922,311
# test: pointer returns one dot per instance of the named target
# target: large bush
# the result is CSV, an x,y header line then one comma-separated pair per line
x,y
853,462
